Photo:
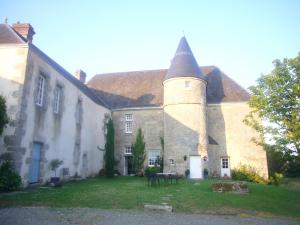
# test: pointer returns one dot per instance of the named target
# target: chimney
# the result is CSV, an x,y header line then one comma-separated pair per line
x,y
25,30
80,75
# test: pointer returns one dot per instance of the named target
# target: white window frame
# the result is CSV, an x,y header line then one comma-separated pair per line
x,y
225,163
128,123
152,157
40,91
128,150
57,99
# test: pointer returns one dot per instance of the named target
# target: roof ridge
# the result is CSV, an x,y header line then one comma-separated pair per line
x,y
132,71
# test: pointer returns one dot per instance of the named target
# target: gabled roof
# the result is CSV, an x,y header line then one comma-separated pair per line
x,y
9,36
81,86
184,63
145,88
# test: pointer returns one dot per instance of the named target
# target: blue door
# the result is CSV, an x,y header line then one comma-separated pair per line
x,y
35,163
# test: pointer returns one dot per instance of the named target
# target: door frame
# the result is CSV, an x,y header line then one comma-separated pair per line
x,y
34,163
225,171
196,174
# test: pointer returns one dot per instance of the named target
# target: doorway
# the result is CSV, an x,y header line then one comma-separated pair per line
x,y
225,167
128,169
195,167
34,172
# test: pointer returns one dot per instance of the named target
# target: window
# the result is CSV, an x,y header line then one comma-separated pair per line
x,y
225,163
128,123
187,84
57,99
40,91
128,150
153,157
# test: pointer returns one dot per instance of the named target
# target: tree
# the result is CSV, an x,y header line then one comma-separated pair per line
x,y
3,114
275,100
109,149
139,152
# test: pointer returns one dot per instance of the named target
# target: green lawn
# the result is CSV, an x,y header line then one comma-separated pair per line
x,y
186,196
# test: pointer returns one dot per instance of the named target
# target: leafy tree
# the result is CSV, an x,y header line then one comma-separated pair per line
x,y
3,114
139,152
275,100
109,149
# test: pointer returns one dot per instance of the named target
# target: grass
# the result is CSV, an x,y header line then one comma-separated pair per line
x,y
187,196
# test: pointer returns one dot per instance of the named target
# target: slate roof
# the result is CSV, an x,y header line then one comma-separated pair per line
x,y
184,63
145,88
9,36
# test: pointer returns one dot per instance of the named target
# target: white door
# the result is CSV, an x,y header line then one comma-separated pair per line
x,y
195,167
225,167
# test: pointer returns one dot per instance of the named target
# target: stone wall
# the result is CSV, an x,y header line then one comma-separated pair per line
x,y
233,138
185,121
150,120
12,78
74,140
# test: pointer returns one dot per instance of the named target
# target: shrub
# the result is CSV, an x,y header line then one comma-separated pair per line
x,y
276,179
247,173
3,114
9,179
152,170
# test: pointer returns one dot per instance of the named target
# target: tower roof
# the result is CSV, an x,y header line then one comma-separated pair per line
x,y
184,63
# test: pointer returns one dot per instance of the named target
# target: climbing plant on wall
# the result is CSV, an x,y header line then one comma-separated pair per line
x,y
109,149
139,152
3,114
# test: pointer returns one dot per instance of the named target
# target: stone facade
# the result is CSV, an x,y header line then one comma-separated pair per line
x,y
61,134
185,133
197,112
150,120
233,138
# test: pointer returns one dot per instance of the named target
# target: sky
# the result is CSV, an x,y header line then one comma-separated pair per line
x,y
242,38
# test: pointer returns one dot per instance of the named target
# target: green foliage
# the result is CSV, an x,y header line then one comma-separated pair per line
x,y
247,173
3,114
152,170
55,163
110,149
139,152
161,159
275,100
9,179
276,179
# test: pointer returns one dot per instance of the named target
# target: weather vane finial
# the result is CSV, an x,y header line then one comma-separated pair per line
x,y
183,33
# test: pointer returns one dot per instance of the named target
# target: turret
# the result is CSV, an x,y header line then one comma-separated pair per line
x,y
185,114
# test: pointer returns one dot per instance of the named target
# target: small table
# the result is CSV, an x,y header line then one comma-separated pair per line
x,y
167,177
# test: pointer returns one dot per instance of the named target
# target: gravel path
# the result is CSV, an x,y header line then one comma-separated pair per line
x,y
87,216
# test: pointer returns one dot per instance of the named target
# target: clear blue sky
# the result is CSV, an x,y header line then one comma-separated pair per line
x,y
242,38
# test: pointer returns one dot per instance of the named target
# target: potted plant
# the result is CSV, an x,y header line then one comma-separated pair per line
x,y
54,164
187,173
205,172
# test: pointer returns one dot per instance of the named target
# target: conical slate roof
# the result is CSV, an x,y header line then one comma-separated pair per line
x,y
184,63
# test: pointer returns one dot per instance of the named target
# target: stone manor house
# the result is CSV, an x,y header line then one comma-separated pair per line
x,y
196,111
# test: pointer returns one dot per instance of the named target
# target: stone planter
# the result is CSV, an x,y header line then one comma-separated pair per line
x,y
231,187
